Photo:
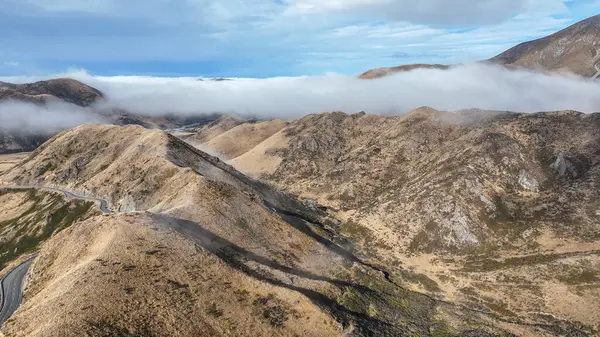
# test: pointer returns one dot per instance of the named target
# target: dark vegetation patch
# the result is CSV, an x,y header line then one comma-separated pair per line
x,y
242,223
214,311
486,265
109,329
39,222
273,310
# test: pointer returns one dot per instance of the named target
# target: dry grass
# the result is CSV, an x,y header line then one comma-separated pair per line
x,y
8,161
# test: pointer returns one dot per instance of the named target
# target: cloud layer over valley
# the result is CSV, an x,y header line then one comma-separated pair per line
x,y
55,116
470,86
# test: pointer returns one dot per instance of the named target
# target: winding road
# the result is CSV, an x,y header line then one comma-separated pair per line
x,y
11,285
12,291
596,62
71,195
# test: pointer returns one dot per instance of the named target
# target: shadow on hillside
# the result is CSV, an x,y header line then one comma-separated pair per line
x,y
237,257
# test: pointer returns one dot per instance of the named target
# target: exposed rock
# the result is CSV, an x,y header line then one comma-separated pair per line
x,y
528,182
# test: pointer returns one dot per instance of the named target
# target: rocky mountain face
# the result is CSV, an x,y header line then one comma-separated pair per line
x,y
575,49
497,209
217,252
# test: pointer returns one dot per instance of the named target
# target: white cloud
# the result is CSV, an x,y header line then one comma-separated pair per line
x,y
469,86
56,116
436,12
11,63
265,37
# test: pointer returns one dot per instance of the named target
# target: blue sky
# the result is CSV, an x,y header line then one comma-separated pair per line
x,y
266,38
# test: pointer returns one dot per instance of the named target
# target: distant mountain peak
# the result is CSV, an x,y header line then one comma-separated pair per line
x,y
575,49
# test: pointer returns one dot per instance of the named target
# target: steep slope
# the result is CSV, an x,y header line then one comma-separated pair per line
x,y
507,202
8,161
131,275
575,49
214,251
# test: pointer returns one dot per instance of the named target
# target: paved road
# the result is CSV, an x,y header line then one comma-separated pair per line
x,y
11,290
11,284
596,61
103,203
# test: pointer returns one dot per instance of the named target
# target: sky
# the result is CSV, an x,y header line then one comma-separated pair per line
x,y
265,38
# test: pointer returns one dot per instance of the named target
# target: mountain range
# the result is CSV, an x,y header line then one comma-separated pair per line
x,y
469,223
575,49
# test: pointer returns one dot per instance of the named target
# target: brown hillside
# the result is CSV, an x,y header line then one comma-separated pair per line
x,y
501,206
207,132
242,138
65,89
216,252
574,49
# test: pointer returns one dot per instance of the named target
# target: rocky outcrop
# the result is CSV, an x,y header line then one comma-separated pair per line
x,y
528,182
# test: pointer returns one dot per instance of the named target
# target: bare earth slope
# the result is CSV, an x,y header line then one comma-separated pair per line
x,y
200,249
575,49
499,209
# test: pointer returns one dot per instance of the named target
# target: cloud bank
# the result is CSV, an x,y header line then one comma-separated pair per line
x,y
48,119
469,86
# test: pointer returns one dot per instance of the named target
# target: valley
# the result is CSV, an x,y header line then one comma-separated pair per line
x,y
327,262
159,206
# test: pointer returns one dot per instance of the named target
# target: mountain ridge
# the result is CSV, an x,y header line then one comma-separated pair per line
x,y
271,260
484,197
575,49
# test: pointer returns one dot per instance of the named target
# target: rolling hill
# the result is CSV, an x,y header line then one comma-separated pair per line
x,y
497,208
218,253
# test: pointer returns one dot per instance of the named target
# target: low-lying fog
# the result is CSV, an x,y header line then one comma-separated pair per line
x,y
468,86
